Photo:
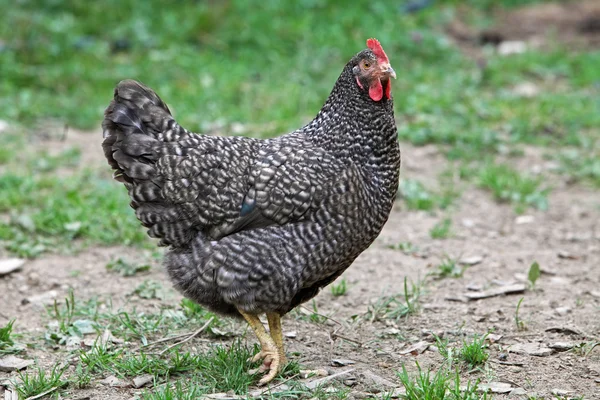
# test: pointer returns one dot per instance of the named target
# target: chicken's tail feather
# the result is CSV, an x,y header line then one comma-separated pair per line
x,y
138,130
133,123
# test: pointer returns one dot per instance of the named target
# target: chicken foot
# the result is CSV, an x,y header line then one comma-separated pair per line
x,y
274,320
269,353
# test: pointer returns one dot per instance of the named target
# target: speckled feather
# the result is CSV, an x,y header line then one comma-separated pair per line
x,y
259,225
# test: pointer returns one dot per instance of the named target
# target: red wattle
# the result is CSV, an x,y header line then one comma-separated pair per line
x,y
376,90
388,90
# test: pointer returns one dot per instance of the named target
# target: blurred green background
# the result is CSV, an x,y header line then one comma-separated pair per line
x,y
262,68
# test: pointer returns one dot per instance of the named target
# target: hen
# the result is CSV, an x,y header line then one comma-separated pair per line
x,y
260,226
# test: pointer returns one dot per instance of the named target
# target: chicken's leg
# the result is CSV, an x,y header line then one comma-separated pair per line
x,y
269,351
277,335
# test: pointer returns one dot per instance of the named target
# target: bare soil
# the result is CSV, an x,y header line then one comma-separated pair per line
x,y
575,24
564,306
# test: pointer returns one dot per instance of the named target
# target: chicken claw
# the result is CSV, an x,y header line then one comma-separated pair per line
x,y
271,363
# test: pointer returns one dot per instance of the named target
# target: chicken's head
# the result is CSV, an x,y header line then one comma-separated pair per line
x,y
373,71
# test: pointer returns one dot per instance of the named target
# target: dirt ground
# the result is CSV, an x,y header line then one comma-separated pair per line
x,y
553,355
575,24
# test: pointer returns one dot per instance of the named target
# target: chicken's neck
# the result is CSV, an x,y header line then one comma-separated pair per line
x,y
354,127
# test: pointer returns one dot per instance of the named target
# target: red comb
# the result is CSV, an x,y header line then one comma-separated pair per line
x,y
376,48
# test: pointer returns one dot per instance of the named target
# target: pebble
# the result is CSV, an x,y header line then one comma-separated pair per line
x,y
46,298
11,363
562,311
532,349
561,346
10,265
524,219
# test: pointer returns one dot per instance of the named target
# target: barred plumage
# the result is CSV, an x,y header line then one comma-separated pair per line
x,y
259,226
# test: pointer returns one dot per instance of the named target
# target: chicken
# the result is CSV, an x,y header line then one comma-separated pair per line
x,y
260,226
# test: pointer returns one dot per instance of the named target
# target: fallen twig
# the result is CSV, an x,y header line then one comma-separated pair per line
x,y
189,337
38,396
268,389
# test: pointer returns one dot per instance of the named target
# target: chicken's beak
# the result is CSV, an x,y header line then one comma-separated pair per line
x,y
388,70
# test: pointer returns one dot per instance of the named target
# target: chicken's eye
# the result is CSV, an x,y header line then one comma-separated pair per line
x,y
367,65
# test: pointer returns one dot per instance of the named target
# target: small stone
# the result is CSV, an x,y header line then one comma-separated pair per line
x,y
306,373
562,311
12,363
376,379
561,346
496,387
560,392
494,338
33,279
532,349
524,219
468,223
10,265
291,334
509,47
46,298
416,348
474,287
392,331
340,362
224,396
143,380
113,381
350,382
470,261
518,392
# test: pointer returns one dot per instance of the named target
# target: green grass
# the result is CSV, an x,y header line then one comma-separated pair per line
x,y
448,267
521,326
417,197
65,327
441,385
396,306
339,289
220,369
474,353
36,382
311,315
442,229
126,268
219,67
75,318
7,342
508,185
50,211
178,391
582,164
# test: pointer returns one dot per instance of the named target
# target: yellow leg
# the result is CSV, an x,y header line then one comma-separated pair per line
x,y
277,335
269,352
